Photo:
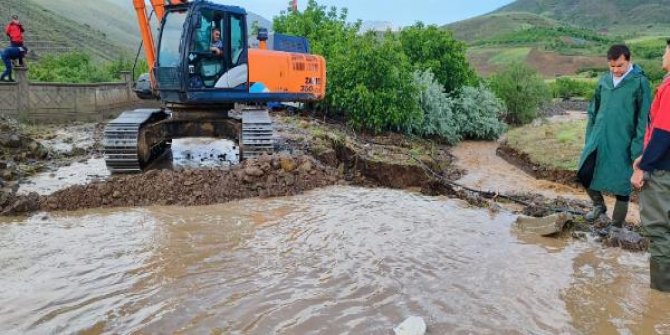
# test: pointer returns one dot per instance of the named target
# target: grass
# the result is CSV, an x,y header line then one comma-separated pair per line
x,y
554,145
48,32
510,56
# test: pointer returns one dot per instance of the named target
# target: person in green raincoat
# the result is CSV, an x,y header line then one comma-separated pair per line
x,y
617,119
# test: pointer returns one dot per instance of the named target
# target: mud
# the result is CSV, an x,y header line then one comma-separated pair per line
x,y
19,153
388,160
266,177
338,155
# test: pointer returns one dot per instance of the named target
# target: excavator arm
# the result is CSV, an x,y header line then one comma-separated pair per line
x,y
145,28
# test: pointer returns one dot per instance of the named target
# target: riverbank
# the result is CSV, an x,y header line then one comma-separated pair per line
x,y
311,153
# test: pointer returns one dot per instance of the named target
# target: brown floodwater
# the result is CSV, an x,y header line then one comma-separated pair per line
x,y
489,172
339,260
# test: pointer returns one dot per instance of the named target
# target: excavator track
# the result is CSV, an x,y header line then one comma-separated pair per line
x,y
122,137
256,136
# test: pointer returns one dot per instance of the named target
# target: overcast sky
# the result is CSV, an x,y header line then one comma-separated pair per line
x,y
399,12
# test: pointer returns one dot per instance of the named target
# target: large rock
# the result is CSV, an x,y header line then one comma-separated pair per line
x,y
543,226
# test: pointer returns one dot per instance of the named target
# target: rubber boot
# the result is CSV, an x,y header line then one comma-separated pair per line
x,y
619,214
659,273
599,207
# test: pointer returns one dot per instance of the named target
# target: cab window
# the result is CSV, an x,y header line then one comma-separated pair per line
x,y
237,38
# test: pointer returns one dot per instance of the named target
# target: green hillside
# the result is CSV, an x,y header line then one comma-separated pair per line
x,y
564,37
48,32
596,13
494,25
116,21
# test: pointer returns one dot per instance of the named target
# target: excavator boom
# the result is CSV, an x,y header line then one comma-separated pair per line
x,y
145,28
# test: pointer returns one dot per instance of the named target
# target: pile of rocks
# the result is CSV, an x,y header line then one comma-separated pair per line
x,y
265,177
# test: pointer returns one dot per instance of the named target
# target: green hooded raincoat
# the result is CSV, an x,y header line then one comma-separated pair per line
x,y
616,125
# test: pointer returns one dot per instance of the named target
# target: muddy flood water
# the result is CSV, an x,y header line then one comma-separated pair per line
x,y
339,260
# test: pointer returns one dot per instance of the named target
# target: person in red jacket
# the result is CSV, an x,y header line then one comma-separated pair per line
x,y
15,32
652,176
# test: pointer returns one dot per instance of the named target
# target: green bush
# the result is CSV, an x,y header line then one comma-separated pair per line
x,y
652,69
479,113
369,77
435,49
439,120
648,49
522,90
471,112
566,88
78,67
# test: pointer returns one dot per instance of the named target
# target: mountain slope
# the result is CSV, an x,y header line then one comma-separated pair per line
x,y
117,22
48,32
493,25
116,18
596,13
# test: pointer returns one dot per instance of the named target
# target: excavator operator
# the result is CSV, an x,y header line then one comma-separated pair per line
x,y
217,43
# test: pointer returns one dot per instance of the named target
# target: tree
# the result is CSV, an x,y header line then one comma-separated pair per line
x,y
522,90
434,49
369,77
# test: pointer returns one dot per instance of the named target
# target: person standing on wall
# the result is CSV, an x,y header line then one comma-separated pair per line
x,y
8,55
652,175
14,31
617,119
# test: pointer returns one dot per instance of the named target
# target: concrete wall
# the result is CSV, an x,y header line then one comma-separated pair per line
x,y
59,103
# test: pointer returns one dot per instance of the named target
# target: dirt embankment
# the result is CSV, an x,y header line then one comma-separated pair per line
x,y
266,177
523,161
323,154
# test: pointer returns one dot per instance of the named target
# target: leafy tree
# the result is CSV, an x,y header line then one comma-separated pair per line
x,y
522,90
326,29
369,77
373,86
434,49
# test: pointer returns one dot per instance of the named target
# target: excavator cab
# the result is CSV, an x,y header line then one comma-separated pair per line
x,y
202,50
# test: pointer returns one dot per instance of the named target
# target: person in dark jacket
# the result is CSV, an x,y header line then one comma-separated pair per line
x,y
14,31
652,175
614,134
9,54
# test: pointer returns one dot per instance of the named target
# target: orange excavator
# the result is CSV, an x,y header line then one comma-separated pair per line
x,y
201,68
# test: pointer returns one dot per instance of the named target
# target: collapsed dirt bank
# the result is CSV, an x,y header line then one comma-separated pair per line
x,y
523,161
338,155
266,177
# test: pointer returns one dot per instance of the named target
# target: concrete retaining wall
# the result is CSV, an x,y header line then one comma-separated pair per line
x,y
60,103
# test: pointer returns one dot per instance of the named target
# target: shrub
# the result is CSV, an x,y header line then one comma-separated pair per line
x,y
438,117
435,49
567,88
652,69
479,113
471,112
78,67
522,90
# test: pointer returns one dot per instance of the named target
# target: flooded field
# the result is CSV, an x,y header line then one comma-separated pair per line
x,y
339,260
